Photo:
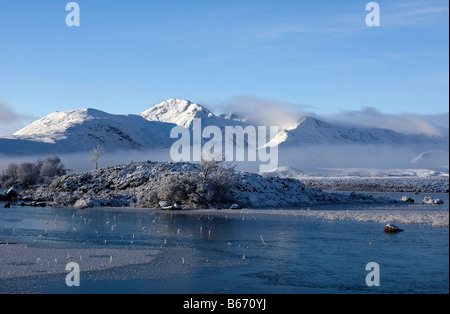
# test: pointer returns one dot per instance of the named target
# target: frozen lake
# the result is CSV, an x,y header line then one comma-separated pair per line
x,y
321,250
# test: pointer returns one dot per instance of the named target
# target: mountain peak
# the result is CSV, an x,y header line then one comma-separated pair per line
x,y
178,111
94,112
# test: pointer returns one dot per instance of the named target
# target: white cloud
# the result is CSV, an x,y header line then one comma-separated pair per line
x,y
413,13
261,111
408,123
10,120
272,112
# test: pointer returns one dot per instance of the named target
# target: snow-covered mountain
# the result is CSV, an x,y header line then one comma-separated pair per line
x,y
82,130
312,131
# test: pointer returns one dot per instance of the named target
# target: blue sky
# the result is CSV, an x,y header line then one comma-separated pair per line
x,y
127,56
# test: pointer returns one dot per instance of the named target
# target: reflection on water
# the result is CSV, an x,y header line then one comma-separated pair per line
x,y
219,252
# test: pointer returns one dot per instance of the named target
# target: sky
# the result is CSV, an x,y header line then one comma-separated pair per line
x,y
315,56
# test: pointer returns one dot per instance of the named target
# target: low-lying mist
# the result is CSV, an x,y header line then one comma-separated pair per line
x,y
305,159
355,156
80,162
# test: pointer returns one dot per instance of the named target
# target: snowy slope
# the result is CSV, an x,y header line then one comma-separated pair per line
x,y
432,159
183,112
312,131
82,130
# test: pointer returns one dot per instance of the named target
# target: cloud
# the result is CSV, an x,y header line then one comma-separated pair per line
x,y
272,112
407,123
10,120
411,13
263,112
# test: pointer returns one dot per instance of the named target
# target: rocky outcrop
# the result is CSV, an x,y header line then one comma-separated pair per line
x,y
134,184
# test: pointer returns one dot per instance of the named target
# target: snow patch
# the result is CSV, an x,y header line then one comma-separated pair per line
x,y
17,260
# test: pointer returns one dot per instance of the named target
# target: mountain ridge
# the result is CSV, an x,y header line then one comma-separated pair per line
x,y
312,131
83,129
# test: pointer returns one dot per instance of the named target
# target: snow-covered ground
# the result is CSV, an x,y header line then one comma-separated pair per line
x,y
131,184
366,179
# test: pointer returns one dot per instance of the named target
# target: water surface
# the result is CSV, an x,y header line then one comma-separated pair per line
x,y
243,251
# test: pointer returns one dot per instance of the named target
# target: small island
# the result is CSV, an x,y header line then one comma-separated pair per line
x,y
177,185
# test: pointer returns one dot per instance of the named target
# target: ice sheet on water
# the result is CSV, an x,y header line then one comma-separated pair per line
x,y
434,218
18,260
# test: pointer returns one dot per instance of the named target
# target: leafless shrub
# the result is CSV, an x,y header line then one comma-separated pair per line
x,y
28,174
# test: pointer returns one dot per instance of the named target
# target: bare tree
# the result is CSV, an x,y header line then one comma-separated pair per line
x,y
96,154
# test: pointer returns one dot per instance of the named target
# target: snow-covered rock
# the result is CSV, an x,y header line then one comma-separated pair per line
x,y
407,199
427,200
164,204
438,201
177,206
430,201
392,228
167,206
87,203
12,193
9,195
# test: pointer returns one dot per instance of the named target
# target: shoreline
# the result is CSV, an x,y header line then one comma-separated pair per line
x,y
400,212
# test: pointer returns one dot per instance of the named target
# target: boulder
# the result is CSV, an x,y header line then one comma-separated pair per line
x,y
168,206
7,205
12,193
235,206
392,228
407,199
38,204
176,206
87,203
9,195
164,204
427,200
